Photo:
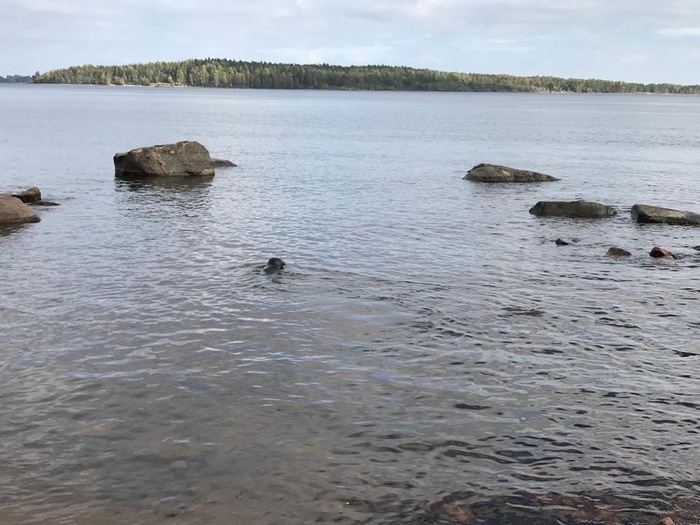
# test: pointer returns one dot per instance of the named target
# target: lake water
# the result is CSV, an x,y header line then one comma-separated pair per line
x,y
429,355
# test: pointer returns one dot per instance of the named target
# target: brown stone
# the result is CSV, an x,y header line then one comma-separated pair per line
x,y
14,211
666,521
453,512
661,252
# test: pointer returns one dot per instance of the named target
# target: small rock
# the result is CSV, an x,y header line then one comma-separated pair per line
x,y
29,195
661,252
666,521
562,242
614,251
222,163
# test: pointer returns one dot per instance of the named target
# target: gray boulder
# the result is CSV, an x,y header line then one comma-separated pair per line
x,y
182,159
654,214
14,211
495,173
573,209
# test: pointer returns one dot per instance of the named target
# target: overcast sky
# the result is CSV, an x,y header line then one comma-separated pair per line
x,y
631,40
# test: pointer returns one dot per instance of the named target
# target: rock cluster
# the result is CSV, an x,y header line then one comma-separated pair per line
x,y
581,209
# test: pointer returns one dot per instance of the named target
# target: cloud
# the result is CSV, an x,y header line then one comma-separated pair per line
x,y
679,32
566,38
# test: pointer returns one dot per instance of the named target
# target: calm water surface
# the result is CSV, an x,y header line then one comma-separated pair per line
x,y
429,355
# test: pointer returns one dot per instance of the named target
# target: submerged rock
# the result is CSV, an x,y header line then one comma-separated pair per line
x,y
33,196
573,209
563,242
182,159
653,214
14,211
495,173
656,251
222,163
614,251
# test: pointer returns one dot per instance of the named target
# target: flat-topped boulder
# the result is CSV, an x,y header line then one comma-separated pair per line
x,y
182,159
14,211
573,209
653,214
495,173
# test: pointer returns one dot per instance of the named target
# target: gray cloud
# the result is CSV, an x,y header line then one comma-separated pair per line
x,y
630,40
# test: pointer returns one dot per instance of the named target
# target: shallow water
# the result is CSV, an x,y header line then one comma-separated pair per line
x,y
428,349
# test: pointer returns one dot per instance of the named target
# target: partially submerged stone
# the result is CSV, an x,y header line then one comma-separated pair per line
x,y
14,211
496,173
222,163
182,159
654,214
657,251
573,209
29,195
614,251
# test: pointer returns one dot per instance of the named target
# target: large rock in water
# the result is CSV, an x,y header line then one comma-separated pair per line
x,y
182,159
14,211
495,173
573,209
644,213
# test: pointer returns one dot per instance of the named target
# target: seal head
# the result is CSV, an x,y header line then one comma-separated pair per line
x,y
274,265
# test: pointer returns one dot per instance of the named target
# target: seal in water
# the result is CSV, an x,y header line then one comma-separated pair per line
x,y
274,265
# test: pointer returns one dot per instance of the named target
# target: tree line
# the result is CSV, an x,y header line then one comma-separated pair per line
x,y
15,79
211,72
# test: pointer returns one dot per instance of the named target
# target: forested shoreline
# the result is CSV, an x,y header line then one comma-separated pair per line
x,y
263,75
15,79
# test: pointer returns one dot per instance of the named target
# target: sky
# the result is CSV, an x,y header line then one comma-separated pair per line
x,y
630,40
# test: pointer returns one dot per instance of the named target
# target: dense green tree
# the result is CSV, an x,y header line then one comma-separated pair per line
x,y
213,72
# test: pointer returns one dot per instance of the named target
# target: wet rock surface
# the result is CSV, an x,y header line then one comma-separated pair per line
x,y
573,209
182,159
494,173
14,211
653,214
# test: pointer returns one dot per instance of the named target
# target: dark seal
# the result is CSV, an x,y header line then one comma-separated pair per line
x,y
274,265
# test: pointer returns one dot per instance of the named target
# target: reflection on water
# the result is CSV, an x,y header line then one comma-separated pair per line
x,y
428,354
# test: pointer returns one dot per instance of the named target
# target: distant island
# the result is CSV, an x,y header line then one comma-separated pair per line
x,y
211,72
15,79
